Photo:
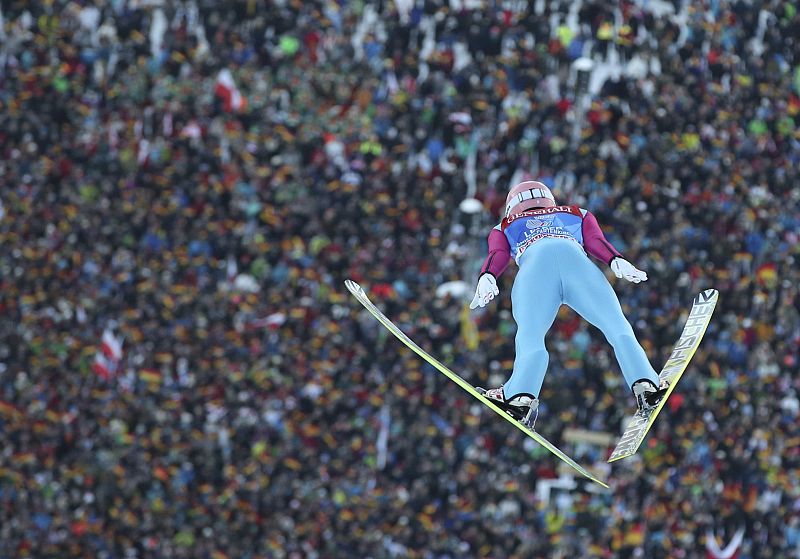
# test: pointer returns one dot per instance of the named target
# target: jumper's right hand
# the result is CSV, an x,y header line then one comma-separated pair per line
x,y
485,292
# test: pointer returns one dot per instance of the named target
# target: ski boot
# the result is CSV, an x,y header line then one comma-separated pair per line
x,y
647,394
521,407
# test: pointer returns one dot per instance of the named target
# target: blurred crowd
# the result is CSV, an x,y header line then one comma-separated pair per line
x,y
208,223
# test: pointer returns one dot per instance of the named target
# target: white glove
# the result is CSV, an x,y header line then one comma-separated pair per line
x,y
624,269
487,289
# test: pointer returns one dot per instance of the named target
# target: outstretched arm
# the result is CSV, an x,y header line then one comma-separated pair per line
x,y
499,254
598,246
595,242
494,265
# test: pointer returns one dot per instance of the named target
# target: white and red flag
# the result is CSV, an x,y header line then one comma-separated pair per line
x,y
103,366
232,98
107,359
111,345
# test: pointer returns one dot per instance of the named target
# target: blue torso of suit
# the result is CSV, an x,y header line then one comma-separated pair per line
x,y
524,229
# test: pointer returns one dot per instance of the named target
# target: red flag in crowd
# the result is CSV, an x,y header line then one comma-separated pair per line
x,y
112,346
106,361
226,88
103,366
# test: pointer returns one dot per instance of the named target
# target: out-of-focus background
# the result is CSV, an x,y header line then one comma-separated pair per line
x,y
184,185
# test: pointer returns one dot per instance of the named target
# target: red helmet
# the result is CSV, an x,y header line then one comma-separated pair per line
x,y
527,195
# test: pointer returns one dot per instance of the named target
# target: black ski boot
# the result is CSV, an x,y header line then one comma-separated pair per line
x,y
647,394
521,407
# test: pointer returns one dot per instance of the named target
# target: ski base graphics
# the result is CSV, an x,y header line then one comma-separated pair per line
x,y
697,323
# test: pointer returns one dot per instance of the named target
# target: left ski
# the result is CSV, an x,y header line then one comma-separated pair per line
x,y
640,423
359,294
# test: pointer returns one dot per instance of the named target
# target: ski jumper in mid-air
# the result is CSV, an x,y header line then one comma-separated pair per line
x,y
550,243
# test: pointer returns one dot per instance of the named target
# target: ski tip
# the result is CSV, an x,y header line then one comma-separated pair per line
x,y
353,287
706,296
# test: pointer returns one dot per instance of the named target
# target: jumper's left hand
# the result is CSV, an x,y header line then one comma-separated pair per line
x,y
624,269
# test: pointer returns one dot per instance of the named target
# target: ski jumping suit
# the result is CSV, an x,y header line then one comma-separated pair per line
x,y
549,245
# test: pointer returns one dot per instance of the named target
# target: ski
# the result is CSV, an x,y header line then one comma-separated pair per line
x,y
641,421
359,294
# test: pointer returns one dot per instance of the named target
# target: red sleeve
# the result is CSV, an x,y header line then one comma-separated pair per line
x,y
595,242
499,254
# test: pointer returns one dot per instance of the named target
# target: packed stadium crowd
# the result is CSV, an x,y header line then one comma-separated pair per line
x,y
184,186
